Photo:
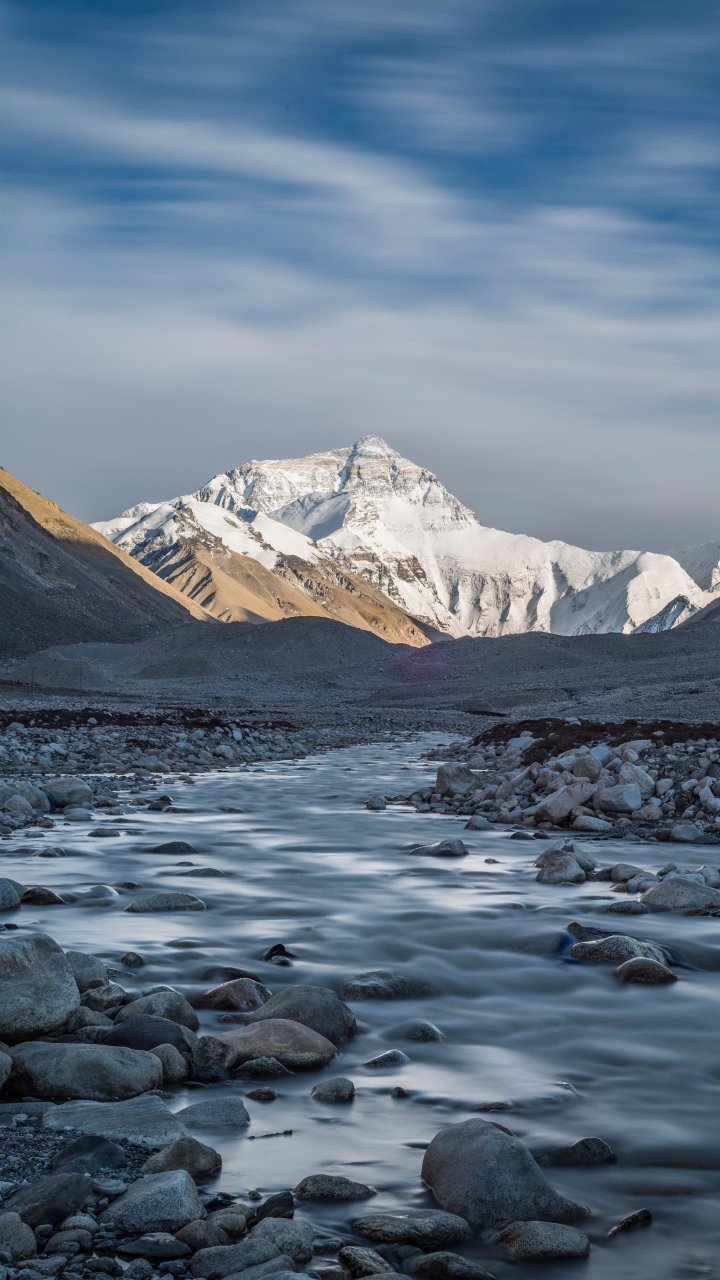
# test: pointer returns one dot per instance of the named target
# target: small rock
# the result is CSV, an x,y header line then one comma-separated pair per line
x,y
650,972
425,1229
216,1113
385,1061
544,1240
326,1186
338,1090
199,1160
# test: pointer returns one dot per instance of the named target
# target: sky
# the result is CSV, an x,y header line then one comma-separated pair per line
x,y
486,230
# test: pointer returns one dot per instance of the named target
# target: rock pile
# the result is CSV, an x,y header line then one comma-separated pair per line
x,y
652,787
39,766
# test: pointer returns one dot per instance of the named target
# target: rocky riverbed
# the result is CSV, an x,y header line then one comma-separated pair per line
x,y
250,1026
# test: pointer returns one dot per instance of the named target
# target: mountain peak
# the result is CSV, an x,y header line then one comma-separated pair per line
x,y
372,444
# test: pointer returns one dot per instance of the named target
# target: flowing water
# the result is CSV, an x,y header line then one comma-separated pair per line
x,y
562,1047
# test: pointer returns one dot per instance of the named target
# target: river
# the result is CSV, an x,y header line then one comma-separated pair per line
x,y
562,1047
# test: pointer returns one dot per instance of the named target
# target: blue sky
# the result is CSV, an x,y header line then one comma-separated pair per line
x,y
484,229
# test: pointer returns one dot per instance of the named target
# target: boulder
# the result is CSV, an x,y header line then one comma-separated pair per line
x,y
162,1004
172,901
328,1186
67,792
558,805
561,868
156,1202
38,993
95,1072
615,949
384,984
586,822
624,798
50,1199
540,1241
243,995
425,1229
448,1266
199,1160
650,972
584,1151
147,1120
361,1261
216,1113
338,1090
685,833
271,1238
144,1031
680,895
455,779
452,847
87,970
9,896
630,773
16,1237
316,1007
293,1045
175,1069
488,1177
89,1154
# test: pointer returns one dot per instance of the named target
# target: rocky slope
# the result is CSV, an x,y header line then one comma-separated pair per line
x,y
61,581
366,514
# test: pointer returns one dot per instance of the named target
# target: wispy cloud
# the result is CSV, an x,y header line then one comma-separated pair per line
x,y
264,228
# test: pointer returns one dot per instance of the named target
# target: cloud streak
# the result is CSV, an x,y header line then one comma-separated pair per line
x,y
305,222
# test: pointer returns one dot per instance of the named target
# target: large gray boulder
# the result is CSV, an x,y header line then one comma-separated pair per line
x,y
161,1004
9,896
680,895
243,995
156,1202
144,1031
330,1186
542,1241
293,1045
427,1229
225,1113
316,1007
626,797
88,971
615,949
96,1072
271,1238
489,1177
147,1120
50,1199
560,868
68,791
171,901
16,1237
635,773
452,847
560,804
199,1160
454,779
38,992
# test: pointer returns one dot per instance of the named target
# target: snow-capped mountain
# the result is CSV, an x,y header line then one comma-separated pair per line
x,y
366,519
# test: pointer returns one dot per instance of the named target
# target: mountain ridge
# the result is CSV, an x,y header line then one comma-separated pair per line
x,y
60,580
372,514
